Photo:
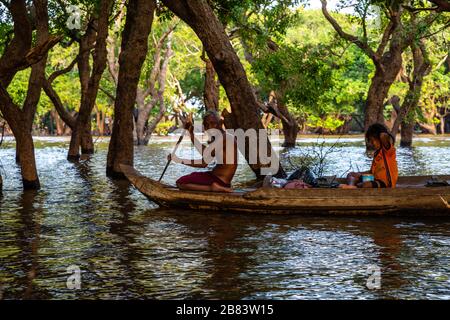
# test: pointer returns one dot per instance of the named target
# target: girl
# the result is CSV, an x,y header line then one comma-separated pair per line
x,y
384,165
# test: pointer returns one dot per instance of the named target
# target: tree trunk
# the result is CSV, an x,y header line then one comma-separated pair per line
x,y
100,119
17,54
27,161
157,75
244,106
58,122
428,128
290,125
142,120
442,124
97,33
385,74
212,86
407,134
421,69
134,48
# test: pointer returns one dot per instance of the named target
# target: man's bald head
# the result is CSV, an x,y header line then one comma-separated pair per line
x,y
211,120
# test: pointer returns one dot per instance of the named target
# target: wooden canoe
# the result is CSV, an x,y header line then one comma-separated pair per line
x,y
411,198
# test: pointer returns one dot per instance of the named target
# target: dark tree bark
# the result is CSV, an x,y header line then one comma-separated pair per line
x,y
447,63
17,56
200,17
139,18
212,86
290,125
406,134
442,5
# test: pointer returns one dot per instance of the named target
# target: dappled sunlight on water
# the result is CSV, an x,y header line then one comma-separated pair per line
x,y
128,248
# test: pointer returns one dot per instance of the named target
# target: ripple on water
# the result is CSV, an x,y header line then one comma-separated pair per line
x,y
127,248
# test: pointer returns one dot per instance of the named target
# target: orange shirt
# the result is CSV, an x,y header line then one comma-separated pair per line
x,y
384,166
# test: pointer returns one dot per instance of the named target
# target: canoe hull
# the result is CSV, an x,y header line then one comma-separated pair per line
x,y
412,201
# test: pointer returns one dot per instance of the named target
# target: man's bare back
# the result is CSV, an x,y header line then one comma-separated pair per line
x,y
227,159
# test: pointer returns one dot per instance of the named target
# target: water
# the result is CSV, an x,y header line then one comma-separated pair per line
x,y
127,248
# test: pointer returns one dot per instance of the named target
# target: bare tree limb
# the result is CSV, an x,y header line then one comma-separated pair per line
x,y
362,44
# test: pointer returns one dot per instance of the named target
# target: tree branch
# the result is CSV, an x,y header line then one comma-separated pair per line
x,y
363,45
443,5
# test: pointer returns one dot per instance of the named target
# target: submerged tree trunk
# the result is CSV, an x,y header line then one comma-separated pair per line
x,y
406,133
95,35
134,48
422,67
244,106
16,56
27,161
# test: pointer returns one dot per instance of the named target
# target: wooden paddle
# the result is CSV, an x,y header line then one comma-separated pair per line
x,y
175,149
170,160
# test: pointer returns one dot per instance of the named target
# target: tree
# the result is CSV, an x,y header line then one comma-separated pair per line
x,y
19,55
139,18
397,36
422,67
211,91
151,94
93,38
244,107
260,25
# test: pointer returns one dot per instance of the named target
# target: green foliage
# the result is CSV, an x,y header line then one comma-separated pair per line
x,y
162,129
329,122
322,77
296,71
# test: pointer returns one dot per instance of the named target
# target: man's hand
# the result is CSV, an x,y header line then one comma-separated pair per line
x,y
173,157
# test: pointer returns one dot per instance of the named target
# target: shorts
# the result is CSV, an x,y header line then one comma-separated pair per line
x,y
202,178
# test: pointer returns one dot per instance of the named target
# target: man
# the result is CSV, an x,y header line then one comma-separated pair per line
x,y
222,147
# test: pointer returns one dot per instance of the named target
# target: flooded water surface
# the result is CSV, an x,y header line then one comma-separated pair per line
x,y
125,247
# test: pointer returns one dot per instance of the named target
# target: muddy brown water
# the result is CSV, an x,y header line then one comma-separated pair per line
x,y
126,247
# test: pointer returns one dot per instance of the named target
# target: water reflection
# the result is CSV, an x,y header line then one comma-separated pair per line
x,y
128,248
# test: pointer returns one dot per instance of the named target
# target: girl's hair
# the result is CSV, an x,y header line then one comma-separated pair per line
x,y
376,130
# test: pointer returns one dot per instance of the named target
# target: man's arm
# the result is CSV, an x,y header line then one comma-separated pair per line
x,y
195,163
386,140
